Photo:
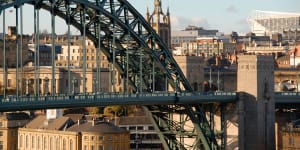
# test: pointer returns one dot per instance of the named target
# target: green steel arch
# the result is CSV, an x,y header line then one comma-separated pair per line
x,y
119,29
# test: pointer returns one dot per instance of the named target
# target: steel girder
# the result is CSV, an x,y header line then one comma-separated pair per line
x,y
125,31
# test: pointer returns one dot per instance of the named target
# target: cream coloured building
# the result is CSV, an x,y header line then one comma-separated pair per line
x,y
63,133
61,80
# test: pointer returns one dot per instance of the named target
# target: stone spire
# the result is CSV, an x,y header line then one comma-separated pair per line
x,y
160,22
147,15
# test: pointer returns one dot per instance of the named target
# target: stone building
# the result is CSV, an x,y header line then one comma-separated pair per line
x,y
62,132
61,80
9,124
290,136
11,51
192,68
142,133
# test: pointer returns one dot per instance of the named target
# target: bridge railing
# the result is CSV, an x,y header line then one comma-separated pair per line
x,y
287,93
92,96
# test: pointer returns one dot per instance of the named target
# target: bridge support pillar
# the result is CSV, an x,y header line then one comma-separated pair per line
x,y
256,102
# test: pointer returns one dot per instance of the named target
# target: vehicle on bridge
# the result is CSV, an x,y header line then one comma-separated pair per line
x,y
286,85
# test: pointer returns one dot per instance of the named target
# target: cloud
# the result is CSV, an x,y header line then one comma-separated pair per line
x,y
232,9
179,23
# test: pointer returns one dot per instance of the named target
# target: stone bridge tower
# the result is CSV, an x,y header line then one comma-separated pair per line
x,y
256,102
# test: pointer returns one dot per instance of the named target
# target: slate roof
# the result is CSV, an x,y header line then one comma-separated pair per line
x,y
75,117
16,116
41,122
134,120
99,126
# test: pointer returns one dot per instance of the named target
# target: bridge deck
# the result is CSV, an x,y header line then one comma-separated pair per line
x,y
104,99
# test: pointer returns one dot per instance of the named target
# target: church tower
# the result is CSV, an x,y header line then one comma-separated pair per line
x,y
160,22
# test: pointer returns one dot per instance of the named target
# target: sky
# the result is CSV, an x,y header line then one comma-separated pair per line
x,y
223,15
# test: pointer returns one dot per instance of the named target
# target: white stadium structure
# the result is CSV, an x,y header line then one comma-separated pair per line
x,y
269,22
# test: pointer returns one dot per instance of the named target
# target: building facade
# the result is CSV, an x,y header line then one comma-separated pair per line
x,y
268,22
190,34
142,133
28,86
63,133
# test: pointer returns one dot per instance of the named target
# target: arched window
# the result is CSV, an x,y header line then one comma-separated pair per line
x,y
32,142
57,143
26,141
39,142
71,144
45,143
21,141
51,143
64,144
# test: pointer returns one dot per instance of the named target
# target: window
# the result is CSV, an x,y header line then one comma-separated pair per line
x,y
71,144
110,138
86,138
140,128
64,144
132,128
39,143
1,133
100,147
45,143
1,145
92,138
85,147
92,147
150,128
291,140
21,141
26,141
51,143
32,141
101,138
57,143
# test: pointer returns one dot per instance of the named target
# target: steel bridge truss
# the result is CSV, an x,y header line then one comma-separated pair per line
x,y
138,54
